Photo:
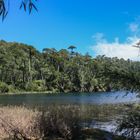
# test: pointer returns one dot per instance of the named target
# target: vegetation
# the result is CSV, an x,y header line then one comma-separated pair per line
x,y
52,123
129,125
27,5
23,68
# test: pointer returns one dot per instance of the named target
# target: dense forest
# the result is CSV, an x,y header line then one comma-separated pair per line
x,y
23,68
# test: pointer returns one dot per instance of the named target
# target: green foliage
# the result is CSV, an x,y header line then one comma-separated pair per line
x,y
27,69
130,124
27,5
36,85
4,88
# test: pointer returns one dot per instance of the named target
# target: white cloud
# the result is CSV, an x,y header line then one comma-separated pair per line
x,y
98,37
116,48
134,27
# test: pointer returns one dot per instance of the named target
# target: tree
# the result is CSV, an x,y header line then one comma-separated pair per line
x,y
23,67
27,5
72,48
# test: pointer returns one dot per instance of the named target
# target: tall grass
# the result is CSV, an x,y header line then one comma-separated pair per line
x,y
52,122
19,123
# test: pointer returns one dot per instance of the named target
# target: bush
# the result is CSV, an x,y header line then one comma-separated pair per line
x,y
130,125
61,123
4,88
37,85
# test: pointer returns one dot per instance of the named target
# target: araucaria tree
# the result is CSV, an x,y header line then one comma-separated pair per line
x,y
23,68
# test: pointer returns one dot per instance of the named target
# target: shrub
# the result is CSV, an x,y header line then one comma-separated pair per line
x,y
61,123
130,125
4,88
37,85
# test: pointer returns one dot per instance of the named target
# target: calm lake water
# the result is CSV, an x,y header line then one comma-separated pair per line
x,y
71,98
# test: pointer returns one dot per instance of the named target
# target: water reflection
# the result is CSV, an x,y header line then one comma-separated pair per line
x,y
71,98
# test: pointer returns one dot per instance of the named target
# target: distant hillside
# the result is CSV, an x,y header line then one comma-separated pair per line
x,y
23,68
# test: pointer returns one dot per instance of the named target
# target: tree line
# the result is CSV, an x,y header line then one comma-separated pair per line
x,y
23,68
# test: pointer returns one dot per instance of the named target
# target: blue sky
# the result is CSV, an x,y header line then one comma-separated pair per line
x,y
91,25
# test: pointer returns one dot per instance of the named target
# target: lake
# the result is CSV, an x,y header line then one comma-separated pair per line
x,y
70,98
101,107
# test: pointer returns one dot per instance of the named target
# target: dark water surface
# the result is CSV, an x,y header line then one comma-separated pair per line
x,y
70,98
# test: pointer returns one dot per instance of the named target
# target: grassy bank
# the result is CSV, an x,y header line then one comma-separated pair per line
x,y
28,92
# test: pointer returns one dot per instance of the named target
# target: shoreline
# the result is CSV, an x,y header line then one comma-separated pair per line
x,y
57,93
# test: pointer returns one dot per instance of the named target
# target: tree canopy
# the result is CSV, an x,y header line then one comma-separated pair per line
x,y
23,68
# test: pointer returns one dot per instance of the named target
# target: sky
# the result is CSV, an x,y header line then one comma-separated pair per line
x,y
100,27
